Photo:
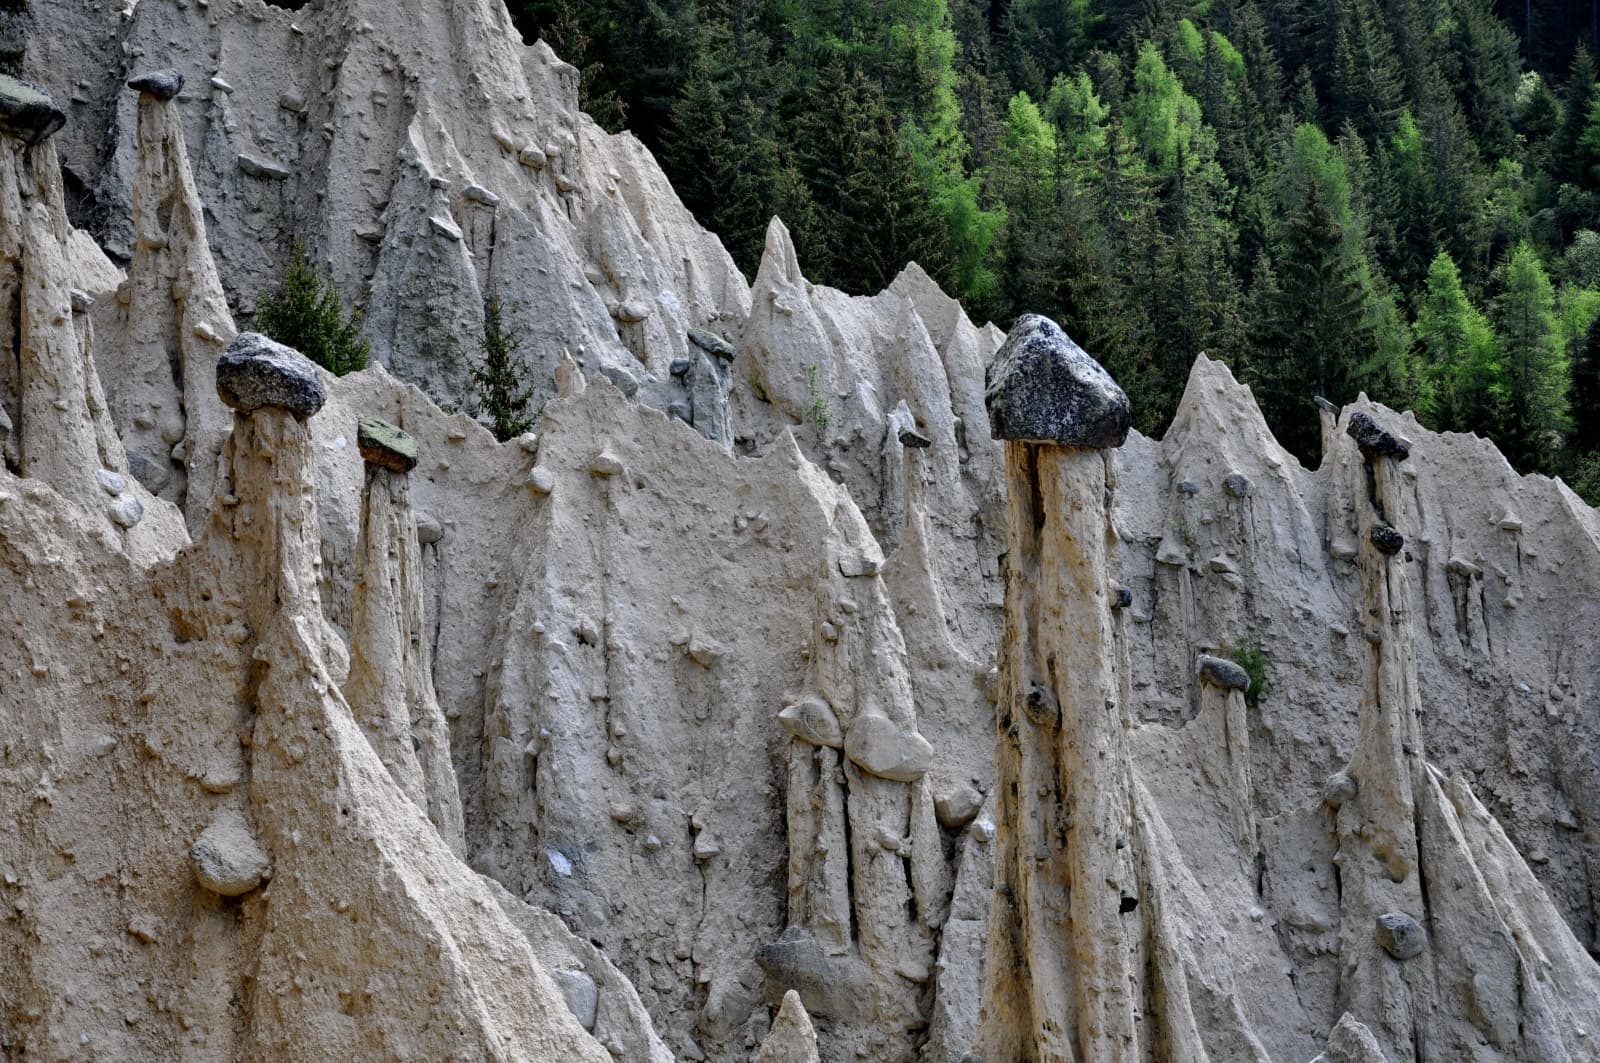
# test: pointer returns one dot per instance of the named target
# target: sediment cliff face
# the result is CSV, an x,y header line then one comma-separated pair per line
x,y
760,699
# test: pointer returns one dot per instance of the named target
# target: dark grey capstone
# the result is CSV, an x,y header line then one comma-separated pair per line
x,y
1401,936
910,437
1374,440
1386,539
26,111
1042,387
1325,406
386,445
256,371
711,343
1121,597
162,84
1188,487
680,366
1238,485
1221,672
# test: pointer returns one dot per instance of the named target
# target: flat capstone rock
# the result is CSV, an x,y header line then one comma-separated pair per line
x,y
1374,440
1044,388
27,112
255,372
711,343
386,445
161,84
1221,672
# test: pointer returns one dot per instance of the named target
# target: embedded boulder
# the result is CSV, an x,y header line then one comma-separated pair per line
x,y
1375,440
1221,672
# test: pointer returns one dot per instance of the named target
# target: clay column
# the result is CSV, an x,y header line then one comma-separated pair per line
x,y
1063,974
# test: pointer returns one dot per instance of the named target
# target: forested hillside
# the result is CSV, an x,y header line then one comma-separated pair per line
x,y
1396,196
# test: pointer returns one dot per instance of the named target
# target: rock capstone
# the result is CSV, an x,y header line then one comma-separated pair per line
x,y
162,84
1387,539
1043,387
1375,440
256,371
1221,672
386,445
879,746
27,112
1401,936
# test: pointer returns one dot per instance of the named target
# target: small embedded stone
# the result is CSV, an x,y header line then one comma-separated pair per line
x,y
227,859
1042,387
605,464
386,445
1221,672
712,343
1375,440
957,808
126,511
1339,788
429,530
581,995
632,311
262,168
1121,596
82,301
159,84
111,482
1401,936
1387,539
480,194
256,371
27,112
680,366
1042,706
704,652
810,719
879,746
1237,485
541,481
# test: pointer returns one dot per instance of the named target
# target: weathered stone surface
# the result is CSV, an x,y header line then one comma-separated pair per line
x,y
1375,440
811,720
382,443
26,111
1043,387
1221,672
227,859
256,371
161,84
879,746
1388,540
1401,936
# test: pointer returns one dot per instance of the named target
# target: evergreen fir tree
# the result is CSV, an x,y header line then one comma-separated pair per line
x,y
498,378
307,314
